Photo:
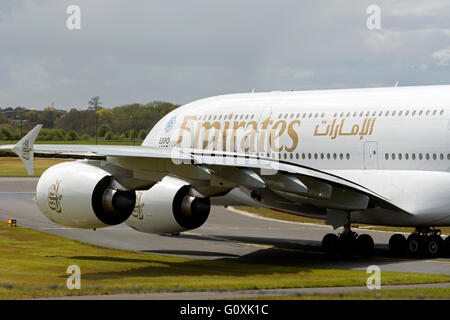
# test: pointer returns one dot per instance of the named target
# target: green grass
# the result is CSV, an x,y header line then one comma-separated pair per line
x,y
13,166
34,264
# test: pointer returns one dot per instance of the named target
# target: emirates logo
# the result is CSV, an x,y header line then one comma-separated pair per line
x,y
138,208
54,198
26,150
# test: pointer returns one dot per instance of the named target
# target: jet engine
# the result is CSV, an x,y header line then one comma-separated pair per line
x,y
80,195
170,206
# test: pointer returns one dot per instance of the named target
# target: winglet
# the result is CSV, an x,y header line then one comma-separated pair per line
x,y
24,148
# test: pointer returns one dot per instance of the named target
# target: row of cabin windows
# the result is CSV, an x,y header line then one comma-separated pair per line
x,y
228,117
322,115
309,156
362,114
420,156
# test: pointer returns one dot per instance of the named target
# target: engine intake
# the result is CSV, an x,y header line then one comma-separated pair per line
x,y
79,195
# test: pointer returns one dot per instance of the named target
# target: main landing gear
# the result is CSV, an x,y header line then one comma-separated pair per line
x,y
348,243
424,242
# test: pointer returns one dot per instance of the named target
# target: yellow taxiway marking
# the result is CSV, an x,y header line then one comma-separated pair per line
x,y
437,261
255,245
412,260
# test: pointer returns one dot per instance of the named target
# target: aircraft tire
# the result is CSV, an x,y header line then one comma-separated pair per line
x,y
447,246
330,244
415,244
434,246
397,244
364,245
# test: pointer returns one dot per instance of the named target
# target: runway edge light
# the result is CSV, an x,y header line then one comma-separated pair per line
x,y
12,222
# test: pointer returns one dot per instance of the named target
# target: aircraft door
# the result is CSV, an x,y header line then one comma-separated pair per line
x,y
370,155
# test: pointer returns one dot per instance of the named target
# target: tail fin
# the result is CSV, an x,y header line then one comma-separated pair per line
x,y
24,148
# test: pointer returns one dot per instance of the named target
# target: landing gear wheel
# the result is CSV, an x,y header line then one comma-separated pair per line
x,y
330,244
397,244
364,245
415,244
447,246
347,243
434,245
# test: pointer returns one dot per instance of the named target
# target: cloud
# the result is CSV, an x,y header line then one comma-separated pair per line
x,y
185,50
442,57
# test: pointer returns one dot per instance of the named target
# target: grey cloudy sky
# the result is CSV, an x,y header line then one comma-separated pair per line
x,y
179,51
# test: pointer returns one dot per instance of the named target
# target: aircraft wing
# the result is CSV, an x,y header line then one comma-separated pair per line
x,y
214,170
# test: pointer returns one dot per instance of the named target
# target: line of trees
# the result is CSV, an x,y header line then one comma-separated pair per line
x,y
126,122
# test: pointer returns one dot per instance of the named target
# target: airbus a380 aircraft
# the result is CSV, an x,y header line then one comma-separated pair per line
x,y
375,156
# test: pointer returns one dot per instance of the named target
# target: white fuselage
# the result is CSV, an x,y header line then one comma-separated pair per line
x,y
393,141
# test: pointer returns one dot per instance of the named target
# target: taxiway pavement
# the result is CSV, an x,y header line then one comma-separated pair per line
x,y
226,234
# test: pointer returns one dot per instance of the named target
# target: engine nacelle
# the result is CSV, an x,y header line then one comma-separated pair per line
x,y
168,207
79,195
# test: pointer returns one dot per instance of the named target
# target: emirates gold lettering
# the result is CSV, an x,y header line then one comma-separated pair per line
x,y
340,129
239,135
293,135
